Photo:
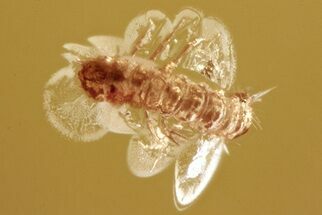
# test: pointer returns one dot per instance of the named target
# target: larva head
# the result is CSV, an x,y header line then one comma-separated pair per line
x,y
101,78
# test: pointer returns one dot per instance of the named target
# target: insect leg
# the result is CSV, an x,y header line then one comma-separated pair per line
x,y
172,65
165,130
138,42
166,40
171,133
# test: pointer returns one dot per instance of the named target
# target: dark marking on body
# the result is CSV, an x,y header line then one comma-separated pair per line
x,y
97,75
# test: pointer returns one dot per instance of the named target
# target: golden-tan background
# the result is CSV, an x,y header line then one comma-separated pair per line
x,y
277,170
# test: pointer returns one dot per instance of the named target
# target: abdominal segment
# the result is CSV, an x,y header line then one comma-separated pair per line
x,y
123,81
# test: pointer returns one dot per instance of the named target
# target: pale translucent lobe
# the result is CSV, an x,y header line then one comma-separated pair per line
x,y
112,120
144,161
153,36
76,115
217,49
70,111
71,58
150,151
82,51
107,45
153,40
194,169
145,33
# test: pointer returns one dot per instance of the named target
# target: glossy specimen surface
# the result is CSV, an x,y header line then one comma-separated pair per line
x,y
134,86
274,170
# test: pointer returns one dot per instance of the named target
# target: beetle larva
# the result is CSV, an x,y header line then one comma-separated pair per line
x,y
126,81
136,85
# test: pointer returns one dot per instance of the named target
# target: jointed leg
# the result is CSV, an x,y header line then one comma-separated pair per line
x,y
172,65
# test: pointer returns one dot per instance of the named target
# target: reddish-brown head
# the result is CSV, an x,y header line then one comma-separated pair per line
x,y
101,79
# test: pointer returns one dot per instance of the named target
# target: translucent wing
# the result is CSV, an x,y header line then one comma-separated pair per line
x,y
74,114
192,41
194,169
151,150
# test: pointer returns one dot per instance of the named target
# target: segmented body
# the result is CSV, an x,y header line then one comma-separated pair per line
x,y
136,85
141,84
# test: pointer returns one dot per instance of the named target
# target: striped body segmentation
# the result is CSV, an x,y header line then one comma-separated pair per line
x,y
141,84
